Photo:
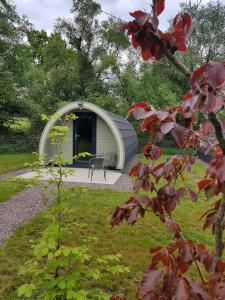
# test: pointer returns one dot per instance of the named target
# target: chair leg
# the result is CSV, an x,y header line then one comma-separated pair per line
x,y
105,174
92,172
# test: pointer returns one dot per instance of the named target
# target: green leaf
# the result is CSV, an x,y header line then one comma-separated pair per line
x,y
81,295
118,269
50,256
94,273
67,251
26,290
62,284
70,294
44,117
52,244
70,284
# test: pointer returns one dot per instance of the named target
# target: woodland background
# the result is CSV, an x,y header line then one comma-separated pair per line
x,y
88,59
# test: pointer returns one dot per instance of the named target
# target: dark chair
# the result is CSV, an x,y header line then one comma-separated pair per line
x,y
97,163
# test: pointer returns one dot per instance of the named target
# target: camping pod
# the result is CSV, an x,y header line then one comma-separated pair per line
x,y
96,131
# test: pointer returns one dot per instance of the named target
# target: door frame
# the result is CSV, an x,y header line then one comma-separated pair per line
x,y
93,116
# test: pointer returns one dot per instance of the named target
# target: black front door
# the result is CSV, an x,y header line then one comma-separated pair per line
x,y
84,136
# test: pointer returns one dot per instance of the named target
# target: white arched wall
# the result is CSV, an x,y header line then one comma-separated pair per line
x,y
79,106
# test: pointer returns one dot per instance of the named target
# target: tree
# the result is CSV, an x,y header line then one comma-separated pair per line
x,y
80,33
14,61
37,40
206,43
98,46
166,276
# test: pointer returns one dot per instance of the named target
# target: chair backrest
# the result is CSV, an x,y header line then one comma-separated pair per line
x,y
98,162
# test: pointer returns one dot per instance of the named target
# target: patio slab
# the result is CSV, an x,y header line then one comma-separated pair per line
x,y
80,175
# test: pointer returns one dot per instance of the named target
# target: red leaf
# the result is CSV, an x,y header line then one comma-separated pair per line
x,y
168,285
118,297
217,168
174,228
182,23
197,74
215,73
154,250
138,170
209,220
147,186
179,193
197,289
137,184
166,127
146,53
118,216
138,14
180,134
204,183
160,5
134,41
218,151
149,281
139,109
207,127
144,105
210,103
144,200
152,152
162,115
182,291
132,216
187,96
220,290
170,204
192,195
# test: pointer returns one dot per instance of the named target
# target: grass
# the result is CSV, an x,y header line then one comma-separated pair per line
x,y
13,162
92,211
173,151
9,188
9,163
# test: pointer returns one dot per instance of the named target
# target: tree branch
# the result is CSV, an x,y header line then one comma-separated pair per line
x,y
218,130
219,227
169,55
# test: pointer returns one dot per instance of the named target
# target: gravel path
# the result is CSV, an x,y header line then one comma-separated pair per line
x,y
14,173
23,206
19,209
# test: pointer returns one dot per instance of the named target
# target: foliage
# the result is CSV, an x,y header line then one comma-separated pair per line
x,y
72,64
168,274
12,67
56,268
145,27
73,266
20,125
206,42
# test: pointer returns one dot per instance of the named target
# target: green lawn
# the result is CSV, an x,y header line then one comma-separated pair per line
x,y
13,162
92,211
9,188
9,163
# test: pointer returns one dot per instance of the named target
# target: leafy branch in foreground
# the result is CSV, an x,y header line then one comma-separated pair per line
x,y
58,270
168,276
